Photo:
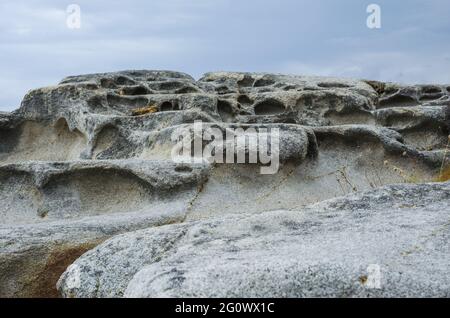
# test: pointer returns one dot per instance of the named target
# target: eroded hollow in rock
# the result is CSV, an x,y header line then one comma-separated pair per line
x,y
183,169
428,136
134,90
398,100
246,81
225,111
344,166
169,106
244,100
111,144
9,138
93,192
431,97
337,118
307,101
333,85
113,83
98,104
108,83
41,141
19,197
187,90
75,194
123,80
265,81
125,103
290,87
269,107
431,90
168,85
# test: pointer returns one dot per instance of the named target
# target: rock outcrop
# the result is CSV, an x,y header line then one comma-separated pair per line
x,y
89,159
324,250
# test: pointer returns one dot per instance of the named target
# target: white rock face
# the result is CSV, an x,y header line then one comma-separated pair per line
x,y
90,158
391,242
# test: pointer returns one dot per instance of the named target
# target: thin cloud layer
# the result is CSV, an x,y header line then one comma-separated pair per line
x,y
323,37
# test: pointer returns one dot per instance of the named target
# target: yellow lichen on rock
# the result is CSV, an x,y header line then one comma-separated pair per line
x,y
444,175
144,110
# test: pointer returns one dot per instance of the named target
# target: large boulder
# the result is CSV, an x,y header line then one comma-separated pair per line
x,y
393,241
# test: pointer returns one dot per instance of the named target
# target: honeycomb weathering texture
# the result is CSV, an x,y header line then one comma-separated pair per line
x,y
90,158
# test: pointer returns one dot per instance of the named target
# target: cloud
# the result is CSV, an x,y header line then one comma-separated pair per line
x,y
384,66
323,37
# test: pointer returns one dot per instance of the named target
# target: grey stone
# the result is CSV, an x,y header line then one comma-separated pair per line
x,y
53,212
326,250
90,158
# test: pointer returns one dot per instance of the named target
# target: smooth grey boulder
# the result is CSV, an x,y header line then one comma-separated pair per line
x,y
390,242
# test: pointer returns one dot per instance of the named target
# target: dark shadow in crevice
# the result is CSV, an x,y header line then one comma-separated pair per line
x,y
269,107
225,111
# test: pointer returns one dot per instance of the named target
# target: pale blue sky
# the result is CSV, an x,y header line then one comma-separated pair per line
x,y
322,37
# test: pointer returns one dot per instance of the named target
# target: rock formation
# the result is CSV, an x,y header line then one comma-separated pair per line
x,y
92,202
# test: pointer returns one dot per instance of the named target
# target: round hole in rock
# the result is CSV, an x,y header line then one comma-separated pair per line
x,y
269,107
97,103
430,97
122,80
9,139
107,83
431,90
223,89
398,100
123,103
244,100
135,90
246,81
225,111
170,85
166,106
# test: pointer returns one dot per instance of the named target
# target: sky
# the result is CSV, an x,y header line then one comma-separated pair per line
x,y
314,37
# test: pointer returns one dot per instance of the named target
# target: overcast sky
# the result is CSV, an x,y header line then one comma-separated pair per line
x,y
322,37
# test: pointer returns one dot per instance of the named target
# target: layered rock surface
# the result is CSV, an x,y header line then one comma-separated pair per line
x,y
90,158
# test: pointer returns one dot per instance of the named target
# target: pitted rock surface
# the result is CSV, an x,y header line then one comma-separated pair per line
x,y
90,158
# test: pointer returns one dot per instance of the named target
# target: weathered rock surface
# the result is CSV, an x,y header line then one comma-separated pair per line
x,y
90,158
321,251
53,212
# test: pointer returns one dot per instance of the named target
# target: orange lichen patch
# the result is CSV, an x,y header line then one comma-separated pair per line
x,y
42,282
444,175
363,279
144,110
